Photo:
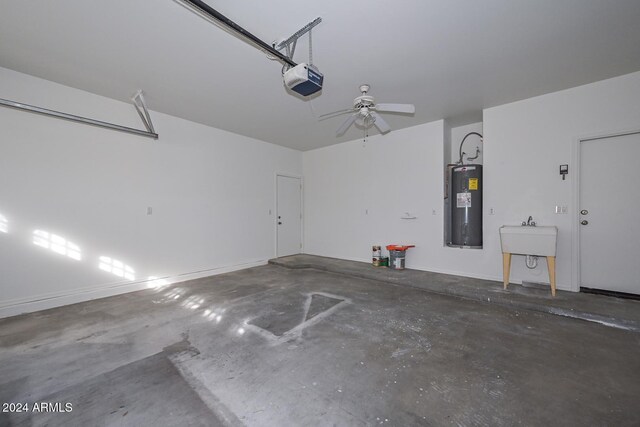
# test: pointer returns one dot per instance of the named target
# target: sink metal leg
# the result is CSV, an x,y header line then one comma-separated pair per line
x,y
506,268
551,265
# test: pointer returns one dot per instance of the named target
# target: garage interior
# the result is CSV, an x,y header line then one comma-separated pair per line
x,y
192,234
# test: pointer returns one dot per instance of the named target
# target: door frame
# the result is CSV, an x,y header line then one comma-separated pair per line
x,y
575,221
275,213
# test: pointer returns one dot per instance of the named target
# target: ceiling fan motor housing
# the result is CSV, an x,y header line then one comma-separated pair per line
x,y
364,101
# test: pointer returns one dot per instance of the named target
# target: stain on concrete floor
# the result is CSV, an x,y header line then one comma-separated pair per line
x,y
386,355
295,312
320,303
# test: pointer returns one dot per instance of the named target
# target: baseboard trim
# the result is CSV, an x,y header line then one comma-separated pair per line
x,y
559,286
44,302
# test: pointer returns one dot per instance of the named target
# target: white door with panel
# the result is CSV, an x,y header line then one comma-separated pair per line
x,y
610,213
289,215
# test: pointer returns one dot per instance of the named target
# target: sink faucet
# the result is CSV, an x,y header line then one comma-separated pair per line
x,y
529,222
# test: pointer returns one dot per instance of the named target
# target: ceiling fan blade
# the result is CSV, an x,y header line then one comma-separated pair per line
x,y
379,122
396,108
347,123
335,113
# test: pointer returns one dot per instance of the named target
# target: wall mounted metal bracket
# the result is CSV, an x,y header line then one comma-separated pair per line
x,y
143,112
138,102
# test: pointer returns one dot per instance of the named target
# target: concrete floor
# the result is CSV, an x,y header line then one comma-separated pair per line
x,y
273,346
614,312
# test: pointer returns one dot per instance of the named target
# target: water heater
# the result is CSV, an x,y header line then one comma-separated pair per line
x,y
466,206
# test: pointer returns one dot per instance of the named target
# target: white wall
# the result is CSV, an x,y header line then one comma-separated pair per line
x,y
446,154
210,190
356,194
387,176
524,143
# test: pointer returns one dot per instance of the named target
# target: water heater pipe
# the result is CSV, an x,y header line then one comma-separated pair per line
x,y
463,139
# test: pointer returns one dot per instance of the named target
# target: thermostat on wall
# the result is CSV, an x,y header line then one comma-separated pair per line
x,y
564,170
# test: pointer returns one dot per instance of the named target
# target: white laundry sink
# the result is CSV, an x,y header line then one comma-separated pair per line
x,y
527,240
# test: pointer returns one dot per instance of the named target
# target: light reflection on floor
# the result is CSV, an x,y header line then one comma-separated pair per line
x,y
62,246
154,282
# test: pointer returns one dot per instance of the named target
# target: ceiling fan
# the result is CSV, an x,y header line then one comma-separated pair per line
x,y
365,112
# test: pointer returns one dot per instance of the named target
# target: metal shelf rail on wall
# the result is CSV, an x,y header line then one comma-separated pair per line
x,y
138,103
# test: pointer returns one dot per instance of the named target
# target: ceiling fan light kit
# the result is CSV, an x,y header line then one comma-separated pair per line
x,y
365,112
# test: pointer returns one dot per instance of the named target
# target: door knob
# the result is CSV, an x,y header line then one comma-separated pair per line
x,y
279,222
584,222
584,212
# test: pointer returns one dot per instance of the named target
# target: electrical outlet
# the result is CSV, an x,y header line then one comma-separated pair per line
x,y
492,211
433,212
561,209
149,210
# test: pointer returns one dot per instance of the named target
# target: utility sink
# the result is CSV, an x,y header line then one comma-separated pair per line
x,y
529,240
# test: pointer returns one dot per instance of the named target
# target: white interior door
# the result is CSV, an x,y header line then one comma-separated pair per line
x,y
610,213
289,215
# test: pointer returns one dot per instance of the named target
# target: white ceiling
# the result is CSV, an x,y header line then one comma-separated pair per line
x,y
451,58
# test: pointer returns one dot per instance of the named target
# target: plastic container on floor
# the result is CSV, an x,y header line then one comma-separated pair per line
x,y
396,259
